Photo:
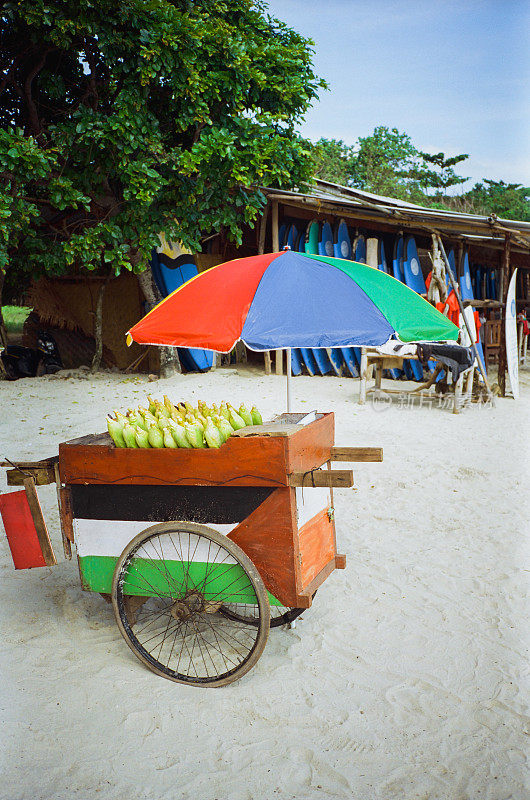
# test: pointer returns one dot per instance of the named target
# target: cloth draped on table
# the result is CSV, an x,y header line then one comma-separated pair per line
x,y
453,356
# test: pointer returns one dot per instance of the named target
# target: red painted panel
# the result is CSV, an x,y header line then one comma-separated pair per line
x,y
317,546
20,531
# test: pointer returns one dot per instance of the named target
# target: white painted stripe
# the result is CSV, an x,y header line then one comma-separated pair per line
x,y
309,502
103,537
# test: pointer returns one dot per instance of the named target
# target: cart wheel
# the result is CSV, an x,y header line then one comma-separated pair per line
x,y
185,572
280,615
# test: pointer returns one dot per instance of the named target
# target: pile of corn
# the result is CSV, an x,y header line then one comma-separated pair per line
x,y
167,425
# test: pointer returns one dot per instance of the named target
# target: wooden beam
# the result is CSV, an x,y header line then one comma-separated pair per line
x,y
356,454
38,521
340,478
65,516
41,476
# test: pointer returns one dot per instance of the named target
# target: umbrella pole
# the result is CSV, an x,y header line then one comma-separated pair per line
x,y
288,354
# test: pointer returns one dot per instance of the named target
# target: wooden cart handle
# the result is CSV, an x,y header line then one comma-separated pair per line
x,y
339,478
356,454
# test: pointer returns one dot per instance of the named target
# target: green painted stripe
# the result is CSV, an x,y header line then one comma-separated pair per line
x,y
412,317
228,583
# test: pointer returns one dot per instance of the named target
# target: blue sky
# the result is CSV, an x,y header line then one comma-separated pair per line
x,y
454,75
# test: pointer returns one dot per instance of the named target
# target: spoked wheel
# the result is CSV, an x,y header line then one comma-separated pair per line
x,y
183,574
280,615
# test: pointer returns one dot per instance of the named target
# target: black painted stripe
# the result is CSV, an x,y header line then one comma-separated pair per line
x,y
215,504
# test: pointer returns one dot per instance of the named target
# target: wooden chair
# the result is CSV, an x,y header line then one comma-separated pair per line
x,y
492,340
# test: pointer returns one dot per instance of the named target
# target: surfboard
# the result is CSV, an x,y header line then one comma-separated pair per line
x,y
452,264
323,361
341,240
351,363
325,241
296,361
311,238
397,259
335,356
344,359
309,360
318,237
492,284
381,256
176,267
466,293
292,237
414,280
466,287
359,249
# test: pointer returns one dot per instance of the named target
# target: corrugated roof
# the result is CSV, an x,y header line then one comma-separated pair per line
x,y
399,210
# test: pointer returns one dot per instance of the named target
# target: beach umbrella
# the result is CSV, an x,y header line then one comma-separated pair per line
x,y
288,299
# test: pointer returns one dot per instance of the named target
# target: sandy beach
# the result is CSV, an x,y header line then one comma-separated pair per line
x,y
406,680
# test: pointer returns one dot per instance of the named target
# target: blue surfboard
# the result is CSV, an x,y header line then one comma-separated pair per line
x,y
335,356
492,294
309,360
414,280
349,355
321,357
170,273
359,249
291,239
466,287
296,361
346,357
381,256
397,259
174,272
325,241
341,240
282,232
452,265
318,241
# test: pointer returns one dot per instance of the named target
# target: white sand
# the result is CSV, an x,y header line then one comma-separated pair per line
x,y
405,680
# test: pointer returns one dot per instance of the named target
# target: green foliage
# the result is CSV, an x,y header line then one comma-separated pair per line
x,y
332,161
508,200
120,120
387,163
15,317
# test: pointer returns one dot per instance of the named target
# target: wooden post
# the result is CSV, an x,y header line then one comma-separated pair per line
x,y
371,252
263,230
364,375
505,277
275,248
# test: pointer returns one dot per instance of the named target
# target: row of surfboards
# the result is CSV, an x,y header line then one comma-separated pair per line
x,y
171,268
320,238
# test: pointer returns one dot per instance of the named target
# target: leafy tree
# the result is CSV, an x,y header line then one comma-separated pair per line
x,y
119,120
436,172
508,200
383,163
332,161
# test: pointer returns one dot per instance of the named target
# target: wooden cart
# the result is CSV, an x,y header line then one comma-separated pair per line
x,y
202,551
